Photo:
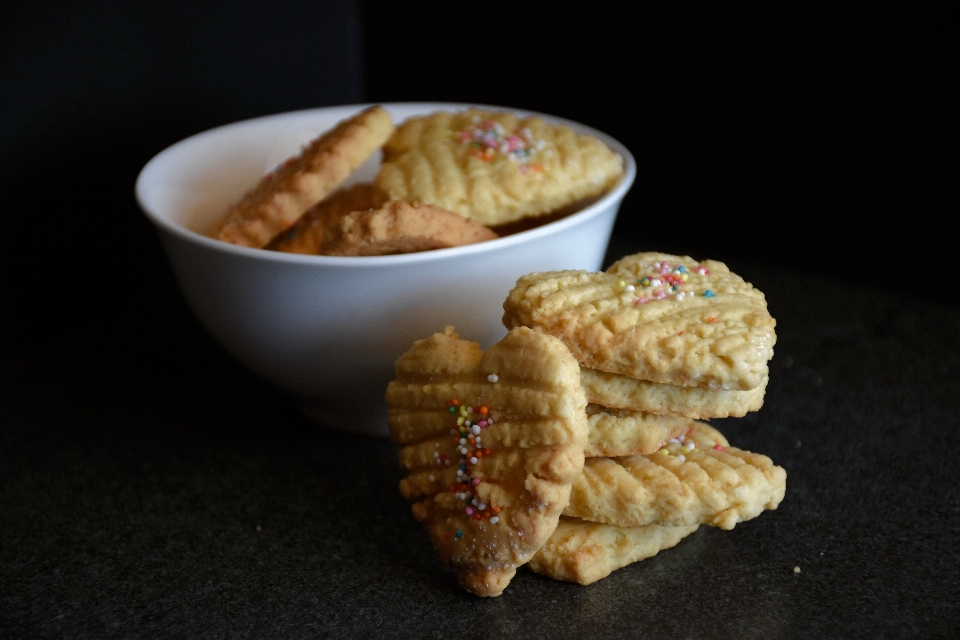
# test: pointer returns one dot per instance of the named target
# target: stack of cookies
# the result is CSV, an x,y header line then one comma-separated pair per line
x,y
659,343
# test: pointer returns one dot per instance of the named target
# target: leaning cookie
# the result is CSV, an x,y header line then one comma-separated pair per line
x,y
699,403
584,552
654,317
283,195
493,166
400,227
306,234
491,442
685,483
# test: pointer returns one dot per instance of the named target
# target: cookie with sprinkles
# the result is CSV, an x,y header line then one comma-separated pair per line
x,y
493,166
625,432
654,317
584,552
696,479
491,442
283,195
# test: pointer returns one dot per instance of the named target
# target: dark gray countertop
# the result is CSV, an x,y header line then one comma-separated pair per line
x,y
150,487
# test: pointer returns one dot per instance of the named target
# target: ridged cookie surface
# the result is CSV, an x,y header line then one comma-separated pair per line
x,y
679,486
654,317
285,194
584,552
306,234
700,403
624,432
401,227
491,442
493,166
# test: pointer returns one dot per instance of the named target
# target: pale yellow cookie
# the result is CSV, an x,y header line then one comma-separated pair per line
x,y
493,166
285,194
584,552
624,432
491,442
401,227
699,403
654,317
306,234
717,485
703,435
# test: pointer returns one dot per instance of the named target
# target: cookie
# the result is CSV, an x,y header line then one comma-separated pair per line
x,y
283,195
494,167
699,403
306,234
491,442
584,552
624,432
679,486
655,317
401,227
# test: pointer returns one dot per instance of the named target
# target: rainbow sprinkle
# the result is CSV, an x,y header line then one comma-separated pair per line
x,y
681,445
488,138
664,281
468,439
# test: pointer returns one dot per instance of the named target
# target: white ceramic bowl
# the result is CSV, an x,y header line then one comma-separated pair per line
x,y
328,329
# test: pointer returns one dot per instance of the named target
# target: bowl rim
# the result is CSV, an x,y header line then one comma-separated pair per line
x,y
596,208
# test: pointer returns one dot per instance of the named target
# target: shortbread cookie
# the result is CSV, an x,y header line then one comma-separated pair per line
x,y
654,317
491,442
702,435
678,486
699,403
306,234
584,552
285,194
624,432
493,166
401,227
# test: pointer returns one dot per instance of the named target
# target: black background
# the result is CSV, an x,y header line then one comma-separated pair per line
x,y
151,487
815,136
811,135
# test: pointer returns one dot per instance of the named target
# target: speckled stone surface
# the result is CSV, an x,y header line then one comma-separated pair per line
x,y
150,487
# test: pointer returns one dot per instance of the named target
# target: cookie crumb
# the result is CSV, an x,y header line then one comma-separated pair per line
x,y
258,527
796,569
